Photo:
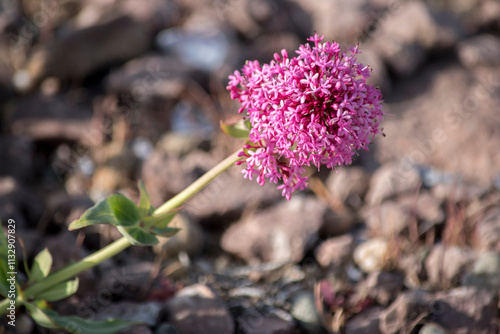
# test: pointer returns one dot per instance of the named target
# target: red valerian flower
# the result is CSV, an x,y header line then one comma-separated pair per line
x,y
315,108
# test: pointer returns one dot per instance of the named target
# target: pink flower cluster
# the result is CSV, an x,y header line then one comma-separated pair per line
x,y
315,108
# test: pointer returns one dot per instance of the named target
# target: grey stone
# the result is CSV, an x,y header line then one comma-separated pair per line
x,y
166,329
465,308
142,312
485,273
432,329
365,322
196,309
128,281
205,49
255,322
150,76
305,312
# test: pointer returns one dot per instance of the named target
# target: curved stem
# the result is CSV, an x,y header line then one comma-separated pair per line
x,y
199,184
121,244
70,271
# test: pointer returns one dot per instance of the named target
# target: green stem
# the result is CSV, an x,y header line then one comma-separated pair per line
x,y
70,271
121,244
197,185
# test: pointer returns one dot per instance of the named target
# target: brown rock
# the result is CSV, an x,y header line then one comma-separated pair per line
x,y
197,310
348,185
412,265
335,252
164,176
488,231
84,51
62,247
280,233
154,15
466,310
409,30
343,21
128,281
445,266
480,50
116,164
433,125
429,208
393,217
390,180
17,157
388,220
366,322
51,118
190,239
150,76
404,310
19,203
383,286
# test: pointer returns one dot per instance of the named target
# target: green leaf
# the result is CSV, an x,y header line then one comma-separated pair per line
x,y
100,213
41,266
161,221
166,231
72,324
78,325
125,210
239,130
40,316
116,209
138,236
144,201
59,291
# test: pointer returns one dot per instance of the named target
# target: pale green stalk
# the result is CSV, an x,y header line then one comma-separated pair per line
x,y
197,185
119,245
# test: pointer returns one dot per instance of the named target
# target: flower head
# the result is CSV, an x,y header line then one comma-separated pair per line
x,y
315,108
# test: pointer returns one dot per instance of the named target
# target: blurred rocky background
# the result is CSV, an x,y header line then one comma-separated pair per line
x,y
95,95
